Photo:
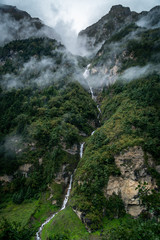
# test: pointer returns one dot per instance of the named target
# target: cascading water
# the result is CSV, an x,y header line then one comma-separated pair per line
x,y
86,72
86,76
81,150
38,234
92,132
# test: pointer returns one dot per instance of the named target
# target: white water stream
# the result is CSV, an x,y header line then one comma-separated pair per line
x,y
38,234
86,76
81,150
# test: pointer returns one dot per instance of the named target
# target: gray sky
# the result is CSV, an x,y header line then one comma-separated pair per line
x,y
69,17
75,14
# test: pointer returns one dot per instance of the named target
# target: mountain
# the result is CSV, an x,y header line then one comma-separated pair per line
x,y
132,41
95,119
117,19
16,24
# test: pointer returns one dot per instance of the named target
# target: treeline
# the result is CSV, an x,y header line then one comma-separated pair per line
x,y
40,122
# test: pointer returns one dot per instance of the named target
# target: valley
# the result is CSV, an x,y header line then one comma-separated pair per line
x,y
80,135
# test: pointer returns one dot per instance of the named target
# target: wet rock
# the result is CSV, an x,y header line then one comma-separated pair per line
x,y
133,170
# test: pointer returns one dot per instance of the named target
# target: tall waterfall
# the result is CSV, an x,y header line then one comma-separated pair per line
x,y
38,234
86,76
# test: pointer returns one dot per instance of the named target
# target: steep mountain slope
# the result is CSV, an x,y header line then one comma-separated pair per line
x,y
118,18
45,114
16,24
135,43
48,112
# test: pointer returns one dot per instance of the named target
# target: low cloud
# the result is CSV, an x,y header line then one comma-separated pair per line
x,y
70,17
11,29
139,72
151,20
45,71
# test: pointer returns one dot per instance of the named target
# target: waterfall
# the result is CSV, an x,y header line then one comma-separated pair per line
x,y
92,132
81,150
38,234
99,109
86,76
86,72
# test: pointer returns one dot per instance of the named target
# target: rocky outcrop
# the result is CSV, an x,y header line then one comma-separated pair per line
x,y
24,169
73,150
63,176
6,178
117,18
133,170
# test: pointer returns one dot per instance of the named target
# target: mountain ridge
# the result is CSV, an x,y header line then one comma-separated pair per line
x,y
95,117
117,18
16,24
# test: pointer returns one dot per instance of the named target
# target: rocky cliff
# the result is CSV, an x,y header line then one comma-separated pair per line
x,y
134,171
16,24
112,22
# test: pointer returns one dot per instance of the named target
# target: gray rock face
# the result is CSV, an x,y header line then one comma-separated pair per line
x,y
14,12
133,170
117,18
63,175
120,10
24,169
73,150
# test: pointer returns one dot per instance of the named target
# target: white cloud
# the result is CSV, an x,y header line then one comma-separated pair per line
x,y
68,17
138,72
76,13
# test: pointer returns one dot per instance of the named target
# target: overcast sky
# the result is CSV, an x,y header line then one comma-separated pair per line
x,y
68,17
75,14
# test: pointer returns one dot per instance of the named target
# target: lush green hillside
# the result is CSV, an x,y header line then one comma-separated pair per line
x,y
41,127
130,117
47,111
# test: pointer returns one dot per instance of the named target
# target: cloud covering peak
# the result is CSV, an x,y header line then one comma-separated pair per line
x,y
77,14
69,17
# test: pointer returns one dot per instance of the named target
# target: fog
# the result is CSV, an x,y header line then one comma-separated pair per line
x,y
69,17
45,71
11,29
152,20
139,72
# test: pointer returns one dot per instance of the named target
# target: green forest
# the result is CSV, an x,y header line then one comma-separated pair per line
x,y
103,129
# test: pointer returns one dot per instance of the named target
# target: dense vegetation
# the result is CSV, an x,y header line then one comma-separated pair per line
x,y
46,113
131,117
38,125
39,122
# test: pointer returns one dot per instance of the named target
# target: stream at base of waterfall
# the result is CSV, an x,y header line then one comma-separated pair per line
x,y
38,234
